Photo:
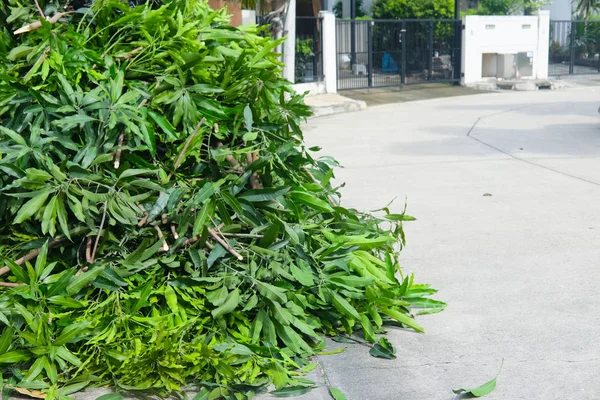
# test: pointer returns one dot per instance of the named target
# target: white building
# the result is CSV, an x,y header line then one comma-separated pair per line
x,y
560,10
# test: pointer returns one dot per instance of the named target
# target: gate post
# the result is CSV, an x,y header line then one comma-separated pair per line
x,y
430,51
457,53
329,51
289,46
543,56
403,61
370,52
572,48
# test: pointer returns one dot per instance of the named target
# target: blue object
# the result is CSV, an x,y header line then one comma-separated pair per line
x,y
388,64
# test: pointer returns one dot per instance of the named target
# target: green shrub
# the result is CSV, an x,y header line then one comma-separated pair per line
x,y
162,222
409,9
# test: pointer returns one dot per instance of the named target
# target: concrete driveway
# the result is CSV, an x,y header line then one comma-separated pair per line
x,y
520,269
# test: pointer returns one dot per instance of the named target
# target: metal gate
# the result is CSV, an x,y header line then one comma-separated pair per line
x,y
383,53
574,48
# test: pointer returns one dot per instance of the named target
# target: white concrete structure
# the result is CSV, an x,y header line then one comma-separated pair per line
x,y
289,46
560,10
513,47
248,17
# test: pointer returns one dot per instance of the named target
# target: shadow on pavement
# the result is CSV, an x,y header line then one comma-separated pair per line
x,y
375,97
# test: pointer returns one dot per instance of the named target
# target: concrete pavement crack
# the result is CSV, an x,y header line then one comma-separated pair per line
x,y
519,158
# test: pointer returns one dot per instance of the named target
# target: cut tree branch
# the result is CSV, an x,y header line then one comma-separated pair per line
x,y
37,5
144,220
30,256
165,245
186,145
242,235
174,232
119,149
231,159
10,284
37,24
131,53
93,257
225,244
88,251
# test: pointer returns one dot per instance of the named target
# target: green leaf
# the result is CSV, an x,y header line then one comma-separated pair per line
x,y
79,282
337,394
343,306
331,352
19,272
303,274
271,292
71,332
37,175
482,390
230,304
367,328
18,139
171,298
312,201
6,339
61,284
248,118
19,52
69,357
36,368
31,207
63,217
200,222
201,395
111,396
40,261
403,318
144,294
263,194
232,202
250,136
14,357
383,349
291,391
399,217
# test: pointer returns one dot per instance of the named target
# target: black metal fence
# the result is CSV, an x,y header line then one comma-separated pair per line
x,y
574,48
381,53
309,49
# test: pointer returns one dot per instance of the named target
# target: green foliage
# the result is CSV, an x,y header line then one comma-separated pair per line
x,y
360,12
482,390
409,9
586,9
304,54
162,222
506,7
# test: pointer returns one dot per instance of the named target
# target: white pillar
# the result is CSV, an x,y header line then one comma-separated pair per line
x,y
289,46
248,17
543,44
329,52
465,46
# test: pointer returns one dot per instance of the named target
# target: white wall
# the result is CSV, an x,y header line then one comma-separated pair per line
x,y
289,46
504,35
560,10
248,17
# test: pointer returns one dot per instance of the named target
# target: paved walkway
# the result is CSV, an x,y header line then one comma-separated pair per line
x,y
520,269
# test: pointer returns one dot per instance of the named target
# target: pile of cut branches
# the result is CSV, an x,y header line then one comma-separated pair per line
x,y
161,222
